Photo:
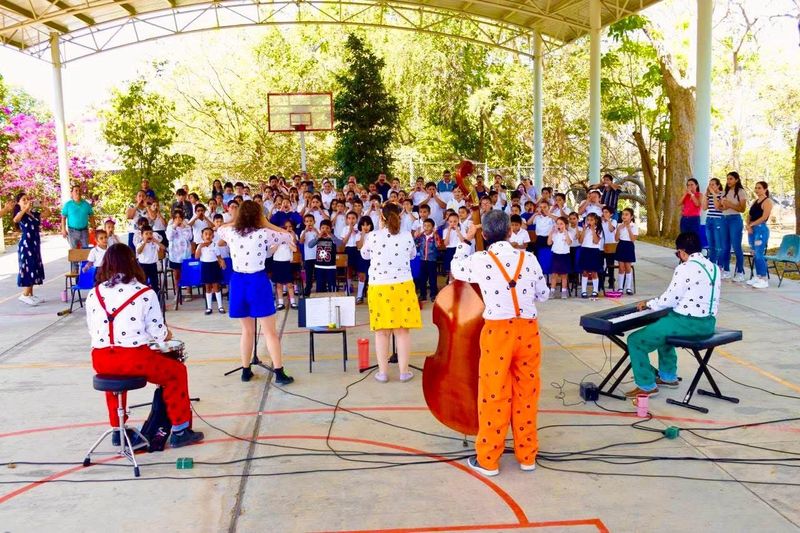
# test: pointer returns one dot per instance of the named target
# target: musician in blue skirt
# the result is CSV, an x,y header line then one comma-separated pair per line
x,y
693,297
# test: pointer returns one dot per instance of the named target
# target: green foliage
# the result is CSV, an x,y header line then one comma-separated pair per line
x,y
137,125
366,115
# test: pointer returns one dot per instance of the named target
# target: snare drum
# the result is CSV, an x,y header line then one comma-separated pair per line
x,y
174,349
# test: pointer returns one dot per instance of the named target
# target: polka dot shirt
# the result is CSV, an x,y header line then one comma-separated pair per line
x,y
689,292
481,269
389,255
249,252
137,324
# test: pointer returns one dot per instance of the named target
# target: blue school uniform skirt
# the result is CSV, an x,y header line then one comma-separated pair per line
x,y
251,295
561,264
210,272
590,260
353,257
282,272
626,252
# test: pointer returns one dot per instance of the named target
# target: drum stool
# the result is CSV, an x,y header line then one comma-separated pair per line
x,y
119,385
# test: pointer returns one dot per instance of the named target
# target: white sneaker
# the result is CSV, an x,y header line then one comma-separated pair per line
x,y
527,468
751,281
726,274
739,277
28,300
761,283
37,299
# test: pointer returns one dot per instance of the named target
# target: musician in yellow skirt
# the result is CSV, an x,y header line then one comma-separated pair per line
x,y
511,281
392,297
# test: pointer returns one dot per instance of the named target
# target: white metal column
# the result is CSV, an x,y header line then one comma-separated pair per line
x,y
302,150
594,92
58,115
702,124
538,152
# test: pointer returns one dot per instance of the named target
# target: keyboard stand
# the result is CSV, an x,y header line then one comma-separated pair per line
x,y
616,339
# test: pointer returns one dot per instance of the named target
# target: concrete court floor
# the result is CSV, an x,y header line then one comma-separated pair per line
x,y
51,414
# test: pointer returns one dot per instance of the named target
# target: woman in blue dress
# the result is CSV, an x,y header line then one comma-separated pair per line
x,y
29,249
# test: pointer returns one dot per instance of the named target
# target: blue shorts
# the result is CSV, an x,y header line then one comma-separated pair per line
x,y
250,295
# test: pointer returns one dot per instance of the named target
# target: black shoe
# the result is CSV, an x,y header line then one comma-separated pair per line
x,y
359,301
282,379
280,307
594,294
293,305
247,374
134,437
628,292
184,438
209,311
221,310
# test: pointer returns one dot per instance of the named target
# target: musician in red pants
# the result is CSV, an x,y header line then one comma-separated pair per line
x,y
124,315
511,281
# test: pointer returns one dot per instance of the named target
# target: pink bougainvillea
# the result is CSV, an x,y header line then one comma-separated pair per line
x,y
31,159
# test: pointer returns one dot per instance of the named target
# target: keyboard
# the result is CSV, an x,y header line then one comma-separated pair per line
x,y
618,320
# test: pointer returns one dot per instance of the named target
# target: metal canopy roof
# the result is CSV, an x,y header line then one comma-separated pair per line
x,y
85,27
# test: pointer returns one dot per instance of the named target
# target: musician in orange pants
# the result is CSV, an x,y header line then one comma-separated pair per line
x,y
511,281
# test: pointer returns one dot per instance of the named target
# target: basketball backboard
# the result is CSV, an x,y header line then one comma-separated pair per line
x,y
289,112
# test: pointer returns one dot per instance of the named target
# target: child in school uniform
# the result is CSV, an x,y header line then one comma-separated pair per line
x,y
519,238
560,242
428,251
609,226
591,255
574,231
309,252
97,253
409,220
211,266
179,236
626,234
109,226
282,275
465,223
325,265
544,224
147,255
452,237
350,236
224,249
366,226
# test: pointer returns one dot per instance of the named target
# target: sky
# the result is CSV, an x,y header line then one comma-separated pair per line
x,y
87,82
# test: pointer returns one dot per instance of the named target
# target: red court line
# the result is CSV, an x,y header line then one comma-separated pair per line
x,y
409,408
596,522
507,499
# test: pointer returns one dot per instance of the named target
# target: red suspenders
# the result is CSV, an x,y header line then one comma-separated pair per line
x,y
112,316
512,282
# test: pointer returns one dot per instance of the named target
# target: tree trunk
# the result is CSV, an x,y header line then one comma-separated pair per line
x,y
649,183
797,183
680,146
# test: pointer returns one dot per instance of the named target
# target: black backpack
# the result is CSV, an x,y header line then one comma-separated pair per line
x,y
157,427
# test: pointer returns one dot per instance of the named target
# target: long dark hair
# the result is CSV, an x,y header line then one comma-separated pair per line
x,y
765,185
119,265
249,217
598,224
391,213
737,187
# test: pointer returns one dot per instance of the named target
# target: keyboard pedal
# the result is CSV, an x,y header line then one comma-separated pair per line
x,y
589,391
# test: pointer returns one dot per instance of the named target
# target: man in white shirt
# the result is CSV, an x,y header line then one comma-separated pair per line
x,y
511,282
693,295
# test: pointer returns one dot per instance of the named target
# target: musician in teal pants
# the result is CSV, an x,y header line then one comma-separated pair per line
x,y
693,296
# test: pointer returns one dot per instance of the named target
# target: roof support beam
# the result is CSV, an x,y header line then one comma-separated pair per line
x,y
21,11
89,21
128,8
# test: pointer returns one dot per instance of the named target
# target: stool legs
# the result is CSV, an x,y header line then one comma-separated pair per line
x,y
702,362
126,447
344,351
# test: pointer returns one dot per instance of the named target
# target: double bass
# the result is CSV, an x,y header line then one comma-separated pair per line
x,y
450,375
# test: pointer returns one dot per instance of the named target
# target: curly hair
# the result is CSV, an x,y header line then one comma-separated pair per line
x,y
249,217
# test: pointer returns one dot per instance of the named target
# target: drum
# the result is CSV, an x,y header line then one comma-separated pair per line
x,y
174,349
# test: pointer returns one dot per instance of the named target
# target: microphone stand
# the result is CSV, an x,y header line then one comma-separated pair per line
x,y
255,360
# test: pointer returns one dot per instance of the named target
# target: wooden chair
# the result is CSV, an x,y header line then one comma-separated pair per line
x,y
74,255
297,271
341,273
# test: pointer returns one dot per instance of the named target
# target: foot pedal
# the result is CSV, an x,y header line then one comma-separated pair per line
x,y
184,463
589,391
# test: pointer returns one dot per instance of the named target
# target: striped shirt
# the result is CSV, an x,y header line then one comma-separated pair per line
x,y
712,210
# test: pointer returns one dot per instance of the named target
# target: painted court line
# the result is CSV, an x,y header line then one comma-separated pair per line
x,y
595,522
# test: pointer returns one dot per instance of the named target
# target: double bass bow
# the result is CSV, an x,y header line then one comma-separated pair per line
x,y
450,376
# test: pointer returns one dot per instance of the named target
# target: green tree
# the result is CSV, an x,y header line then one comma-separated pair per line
x,y
137,125
366,114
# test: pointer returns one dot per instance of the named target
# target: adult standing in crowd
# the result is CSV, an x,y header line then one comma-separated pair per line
x,y
216,188
392,297
445,186
609,194
76,215
121,332
29,248
733,204
135,211
690,207
758,234
382,186
145,186
711,205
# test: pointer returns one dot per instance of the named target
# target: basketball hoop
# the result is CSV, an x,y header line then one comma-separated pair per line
x,y
300,112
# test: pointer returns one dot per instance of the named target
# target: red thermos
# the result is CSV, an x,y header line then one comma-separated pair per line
x,y
363,353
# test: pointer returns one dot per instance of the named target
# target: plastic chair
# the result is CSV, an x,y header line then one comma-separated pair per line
x,y
190,277
788,254
85,282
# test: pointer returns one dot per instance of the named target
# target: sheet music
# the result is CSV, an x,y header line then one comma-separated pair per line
x,y
320,312
631,316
